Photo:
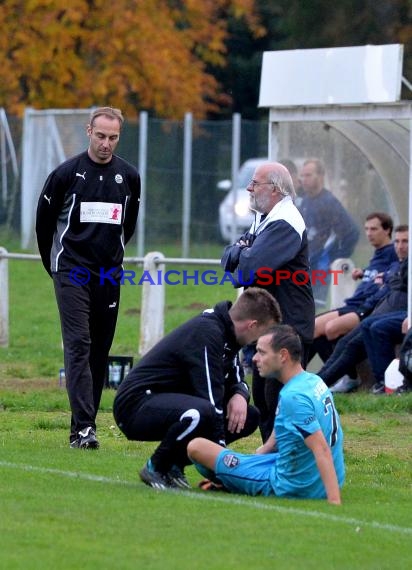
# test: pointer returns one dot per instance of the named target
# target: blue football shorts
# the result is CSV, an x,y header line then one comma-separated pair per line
x,y
246,474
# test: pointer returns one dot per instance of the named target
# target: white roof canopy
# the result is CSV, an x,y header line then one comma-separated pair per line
x,y
347,75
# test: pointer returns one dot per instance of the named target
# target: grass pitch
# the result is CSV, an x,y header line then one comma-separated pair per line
x,y
67,508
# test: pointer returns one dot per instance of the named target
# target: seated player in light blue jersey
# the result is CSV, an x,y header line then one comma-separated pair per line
x,y
303,457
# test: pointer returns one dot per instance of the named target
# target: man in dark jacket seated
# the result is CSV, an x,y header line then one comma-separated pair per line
x,y
350,350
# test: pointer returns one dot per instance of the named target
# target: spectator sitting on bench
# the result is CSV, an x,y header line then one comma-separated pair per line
x,y
350,350
333,324
381,340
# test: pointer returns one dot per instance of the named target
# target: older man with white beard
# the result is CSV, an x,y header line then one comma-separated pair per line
x,y
277,241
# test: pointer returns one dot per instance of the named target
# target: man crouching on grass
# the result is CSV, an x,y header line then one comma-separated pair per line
x,y
304,455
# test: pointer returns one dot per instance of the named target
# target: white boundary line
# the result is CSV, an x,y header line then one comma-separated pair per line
x,y
228,499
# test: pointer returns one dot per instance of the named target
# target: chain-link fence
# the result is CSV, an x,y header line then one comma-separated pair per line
x,y
54,135
51,136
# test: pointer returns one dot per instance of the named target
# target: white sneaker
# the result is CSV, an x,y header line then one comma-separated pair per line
x,y
346,384
87,439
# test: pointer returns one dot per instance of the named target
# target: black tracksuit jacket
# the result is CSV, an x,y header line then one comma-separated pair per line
x,y
86,213
199,358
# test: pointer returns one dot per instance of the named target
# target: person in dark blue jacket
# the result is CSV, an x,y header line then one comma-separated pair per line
x,y
382,330
332,232
351,349
273,255
381,338
333,324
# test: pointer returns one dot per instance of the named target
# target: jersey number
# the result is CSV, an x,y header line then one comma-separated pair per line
x,y
330,410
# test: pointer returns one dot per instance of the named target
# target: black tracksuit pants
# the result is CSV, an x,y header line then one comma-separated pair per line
x,y
349,351
88,316
174,419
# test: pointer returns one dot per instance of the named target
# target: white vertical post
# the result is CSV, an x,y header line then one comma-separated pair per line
x,y
187,182
273,143
342,285
236,134
153,302
26,177
3,165
141,220
4,298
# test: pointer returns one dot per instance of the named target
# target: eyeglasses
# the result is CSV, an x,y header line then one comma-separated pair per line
x,y
254,183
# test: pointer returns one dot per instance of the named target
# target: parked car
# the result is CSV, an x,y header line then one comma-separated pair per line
x,y
234,210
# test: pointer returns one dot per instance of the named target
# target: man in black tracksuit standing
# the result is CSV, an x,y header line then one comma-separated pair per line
x,y
191,384
86,213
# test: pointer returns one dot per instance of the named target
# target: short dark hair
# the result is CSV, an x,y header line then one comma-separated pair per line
x,y
285,336
256,303
402,228
385,220
110,112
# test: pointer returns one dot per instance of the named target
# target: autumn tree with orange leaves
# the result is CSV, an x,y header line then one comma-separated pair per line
x,y
152,54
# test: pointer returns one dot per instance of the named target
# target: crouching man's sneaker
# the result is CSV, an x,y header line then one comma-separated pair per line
x,y
345,384
154,478
86,439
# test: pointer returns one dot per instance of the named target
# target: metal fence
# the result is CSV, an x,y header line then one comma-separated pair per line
x,y
153,297
181,163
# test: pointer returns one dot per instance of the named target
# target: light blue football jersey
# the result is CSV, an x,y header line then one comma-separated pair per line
x,y
305,406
